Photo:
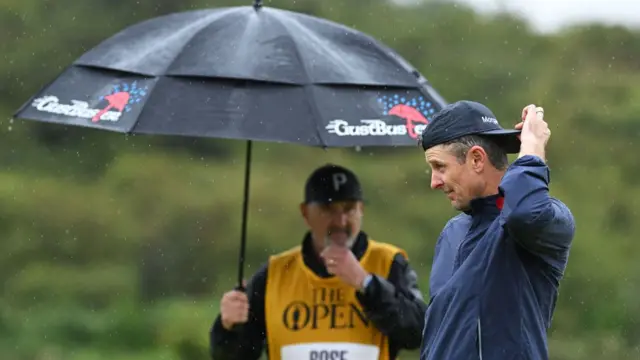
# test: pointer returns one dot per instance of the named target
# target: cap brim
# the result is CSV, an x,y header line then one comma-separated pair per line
x,y
506,139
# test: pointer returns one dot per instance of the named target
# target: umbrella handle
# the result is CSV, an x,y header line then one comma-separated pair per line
x,y
237,328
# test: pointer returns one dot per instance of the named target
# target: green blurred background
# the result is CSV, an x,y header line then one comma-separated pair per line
x,y
115,247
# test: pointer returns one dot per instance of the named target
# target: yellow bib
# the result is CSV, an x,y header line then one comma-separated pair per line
x,y
311,318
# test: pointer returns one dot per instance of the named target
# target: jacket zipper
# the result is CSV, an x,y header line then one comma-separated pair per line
x,y
479,339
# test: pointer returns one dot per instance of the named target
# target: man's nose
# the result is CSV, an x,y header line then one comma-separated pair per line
x,y
436,181
340,219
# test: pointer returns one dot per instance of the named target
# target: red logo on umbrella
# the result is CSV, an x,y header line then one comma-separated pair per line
x,y
121,99
411,115
116,101
414,111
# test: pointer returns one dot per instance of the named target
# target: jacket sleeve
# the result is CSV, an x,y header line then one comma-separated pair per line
x,y
396,305
539,223
247,343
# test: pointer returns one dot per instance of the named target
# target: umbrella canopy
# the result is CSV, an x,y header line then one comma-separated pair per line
x,y
249,73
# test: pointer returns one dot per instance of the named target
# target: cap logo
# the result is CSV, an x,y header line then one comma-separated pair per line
x,y
339,179
489,120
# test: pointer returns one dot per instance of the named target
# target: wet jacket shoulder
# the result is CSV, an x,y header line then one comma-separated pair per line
x,y
394,304
539,223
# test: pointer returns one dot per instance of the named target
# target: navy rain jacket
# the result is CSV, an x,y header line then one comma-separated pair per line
x,y
496,272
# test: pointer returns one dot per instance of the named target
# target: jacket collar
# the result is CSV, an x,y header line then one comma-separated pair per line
x,y
314,263
489,205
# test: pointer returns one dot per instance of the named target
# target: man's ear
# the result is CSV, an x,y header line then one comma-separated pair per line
x,y
478,158
304,211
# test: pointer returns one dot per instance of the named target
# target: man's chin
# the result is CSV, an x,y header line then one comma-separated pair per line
x,y
460,207
340,240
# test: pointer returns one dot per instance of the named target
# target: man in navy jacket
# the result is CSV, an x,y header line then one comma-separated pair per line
x,y
498,264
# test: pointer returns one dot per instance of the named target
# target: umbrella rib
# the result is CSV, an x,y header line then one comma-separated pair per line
x,y
215,16
307,86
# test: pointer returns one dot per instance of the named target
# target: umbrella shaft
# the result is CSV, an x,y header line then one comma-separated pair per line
x,y
245,211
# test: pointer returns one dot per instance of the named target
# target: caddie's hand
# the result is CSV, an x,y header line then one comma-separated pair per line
x,y
535,133
341,262
234,308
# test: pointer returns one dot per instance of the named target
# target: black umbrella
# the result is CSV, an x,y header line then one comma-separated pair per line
x,y
249,73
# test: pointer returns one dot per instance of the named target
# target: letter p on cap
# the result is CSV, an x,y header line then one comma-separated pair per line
x,y
339,179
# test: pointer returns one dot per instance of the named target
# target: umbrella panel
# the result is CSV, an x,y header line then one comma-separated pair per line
x,y
313,115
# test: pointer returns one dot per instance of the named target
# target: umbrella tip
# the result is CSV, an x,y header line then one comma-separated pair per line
x,y
257,4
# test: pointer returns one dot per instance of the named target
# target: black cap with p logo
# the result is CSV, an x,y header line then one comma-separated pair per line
x,y
331,183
